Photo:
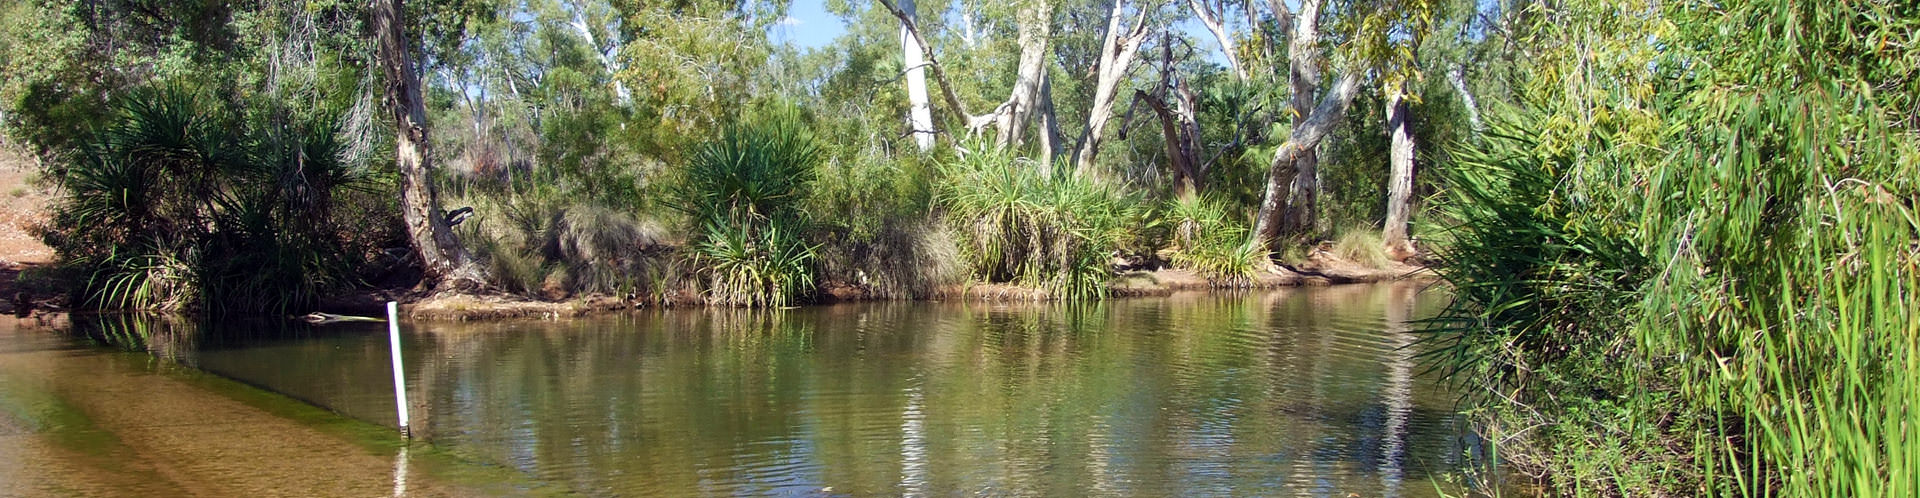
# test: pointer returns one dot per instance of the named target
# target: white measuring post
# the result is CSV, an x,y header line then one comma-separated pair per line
x,y
399,375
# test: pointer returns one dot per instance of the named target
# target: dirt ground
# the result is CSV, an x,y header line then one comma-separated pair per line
x,y
24,202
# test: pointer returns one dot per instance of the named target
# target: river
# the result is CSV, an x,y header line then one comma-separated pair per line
x,y
1292,392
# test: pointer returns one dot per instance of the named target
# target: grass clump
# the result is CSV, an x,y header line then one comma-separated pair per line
x,y
1363,245
743,190
542,244
1016,223
1208,240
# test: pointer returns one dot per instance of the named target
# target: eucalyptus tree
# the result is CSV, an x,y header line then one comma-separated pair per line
x,y
1379,36
444,259
1118,47
1027,103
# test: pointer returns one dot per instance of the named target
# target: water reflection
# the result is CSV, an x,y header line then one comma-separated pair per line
x,y
1302,392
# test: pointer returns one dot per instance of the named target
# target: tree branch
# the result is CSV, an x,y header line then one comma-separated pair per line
x,y
939,73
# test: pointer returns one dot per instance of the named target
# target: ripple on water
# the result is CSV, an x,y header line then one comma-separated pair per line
x,y
1291,393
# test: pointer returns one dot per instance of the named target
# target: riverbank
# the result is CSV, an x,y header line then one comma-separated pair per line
x,y
1320,270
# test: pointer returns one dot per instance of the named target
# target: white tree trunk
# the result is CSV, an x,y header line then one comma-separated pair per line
x,y
1303,77
605,54
1400,182
1051,144
1215,23
1018,111
920,112
1116,57
1458,78
1306,135
1293,178
442,257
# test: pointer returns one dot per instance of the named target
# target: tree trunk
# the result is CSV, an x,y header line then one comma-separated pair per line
x,y
1178,124
1400,183
911,30
1458,77
1015,115
1215,22
442,257
1306,135
920,113
1303,67
1116,56
1293,184
1050,137
1181,153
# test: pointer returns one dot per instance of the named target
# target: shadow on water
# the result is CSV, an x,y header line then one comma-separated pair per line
x,y
1300,392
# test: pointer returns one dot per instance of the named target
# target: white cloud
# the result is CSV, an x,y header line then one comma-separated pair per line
x,y
789,21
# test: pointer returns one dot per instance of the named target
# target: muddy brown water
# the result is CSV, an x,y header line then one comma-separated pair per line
x,y
1295,392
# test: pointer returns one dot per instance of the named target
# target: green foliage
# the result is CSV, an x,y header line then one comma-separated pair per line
x,y
881,236
745,188
1696,263
1017,224
753,266
544,244
170,209
1209,240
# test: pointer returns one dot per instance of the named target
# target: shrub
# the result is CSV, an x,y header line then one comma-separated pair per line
x,y
1701,284
181,205
743,190
1207,240
1015,223
541,243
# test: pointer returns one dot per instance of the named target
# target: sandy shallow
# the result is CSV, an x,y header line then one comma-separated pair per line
x,y
87,422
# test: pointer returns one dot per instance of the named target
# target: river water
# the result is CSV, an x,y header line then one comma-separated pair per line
x,y
1294,392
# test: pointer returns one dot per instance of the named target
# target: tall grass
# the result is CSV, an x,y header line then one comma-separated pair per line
x,y
1017,224
1207,239
743,191
1704,285
546,244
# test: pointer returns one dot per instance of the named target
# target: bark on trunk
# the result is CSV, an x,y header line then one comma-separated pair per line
x,y
1178,124
1116,56
1306,135
442,257
1214,20
1017,113
1028,94
974,123
1400,185
1458,78
1303,67
1181,152
1293,179
920,112
1050,136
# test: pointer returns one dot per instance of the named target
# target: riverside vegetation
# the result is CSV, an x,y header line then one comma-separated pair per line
x,y
1681,235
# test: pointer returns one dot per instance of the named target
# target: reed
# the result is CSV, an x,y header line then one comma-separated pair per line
x,y
1703,286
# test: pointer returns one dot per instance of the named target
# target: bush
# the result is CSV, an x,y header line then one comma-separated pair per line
x,y
544,245
743,191
1017,224
1703,284
180,204
1208,240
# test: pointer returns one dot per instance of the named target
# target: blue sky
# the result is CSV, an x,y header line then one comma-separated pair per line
x,y
808,25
